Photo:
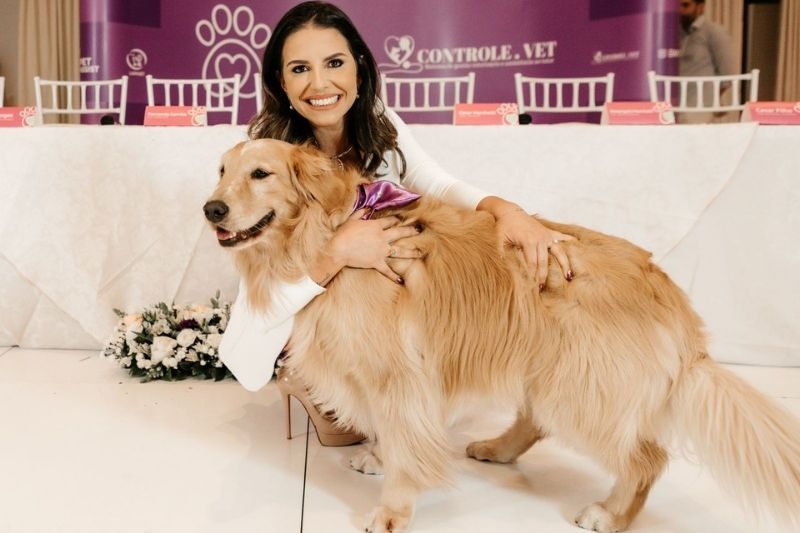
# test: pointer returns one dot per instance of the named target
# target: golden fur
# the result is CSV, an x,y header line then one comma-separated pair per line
x,y
614,362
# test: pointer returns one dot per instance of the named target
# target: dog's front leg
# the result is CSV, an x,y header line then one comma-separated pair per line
x,y
368,460
409,423
394,513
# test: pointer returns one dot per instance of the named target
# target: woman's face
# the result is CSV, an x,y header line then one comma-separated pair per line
x,y
319,75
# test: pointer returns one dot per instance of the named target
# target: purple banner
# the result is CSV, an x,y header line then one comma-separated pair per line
x,y
413,38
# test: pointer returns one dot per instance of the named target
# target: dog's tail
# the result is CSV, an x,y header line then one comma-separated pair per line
x,y
750,444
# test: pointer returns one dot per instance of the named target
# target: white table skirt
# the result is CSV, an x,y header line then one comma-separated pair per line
x,y
97,218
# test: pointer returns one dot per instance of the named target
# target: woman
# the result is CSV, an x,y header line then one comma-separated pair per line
x,y
321,84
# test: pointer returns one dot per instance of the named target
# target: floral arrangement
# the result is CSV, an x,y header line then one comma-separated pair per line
x,y
171,343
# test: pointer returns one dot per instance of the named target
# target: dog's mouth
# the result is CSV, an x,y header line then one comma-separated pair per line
x,y
232,238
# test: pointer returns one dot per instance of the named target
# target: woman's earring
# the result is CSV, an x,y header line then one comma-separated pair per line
x,y
290,107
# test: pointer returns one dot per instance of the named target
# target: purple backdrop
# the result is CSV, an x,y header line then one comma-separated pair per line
x,y
208,38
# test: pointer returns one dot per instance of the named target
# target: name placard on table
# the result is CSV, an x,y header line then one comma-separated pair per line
x,y
772,113
175,115
18,117
638,113
503,114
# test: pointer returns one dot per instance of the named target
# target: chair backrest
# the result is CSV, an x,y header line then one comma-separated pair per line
x,y
259,92
2,89
427,94
701,94
81,97
563,95
216,94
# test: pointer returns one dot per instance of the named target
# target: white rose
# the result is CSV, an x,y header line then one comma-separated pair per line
x,y
162,347
191,355
170,362
213,340
186,337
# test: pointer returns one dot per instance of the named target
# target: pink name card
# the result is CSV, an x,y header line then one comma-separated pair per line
x,y
18,117
175,115
772,112
638,113
485,114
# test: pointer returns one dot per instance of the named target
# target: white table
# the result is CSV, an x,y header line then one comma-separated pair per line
x,y
95,218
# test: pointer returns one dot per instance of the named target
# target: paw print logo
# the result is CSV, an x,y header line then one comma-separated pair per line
x,y
29,116
509,112
235,42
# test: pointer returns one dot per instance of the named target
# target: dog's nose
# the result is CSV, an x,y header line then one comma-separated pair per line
x,y
215,210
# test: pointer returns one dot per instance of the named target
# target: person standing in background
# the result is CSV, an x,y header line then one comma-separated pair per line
x,y
706,50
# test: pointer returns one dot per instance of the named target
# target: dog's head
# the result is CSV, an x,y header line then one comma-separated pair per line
x,y
264,187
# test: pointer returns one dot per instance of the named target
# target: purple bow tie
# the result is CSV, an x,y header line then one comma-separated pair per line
x,y
382,195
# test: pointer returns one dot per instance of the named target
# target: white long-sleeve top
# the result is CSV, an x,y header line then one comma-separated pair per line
x,y
253,341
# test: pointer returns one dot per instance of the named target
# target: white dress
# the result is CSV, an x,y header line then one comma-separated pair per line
x,y
253,341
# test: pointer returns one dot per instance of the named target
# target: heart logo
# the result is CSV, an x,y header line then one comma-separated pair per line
x,y
399,49
227,65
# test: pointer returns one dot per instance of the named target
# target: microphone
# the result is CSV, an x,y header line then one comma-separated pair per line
x,y
107,120
524,118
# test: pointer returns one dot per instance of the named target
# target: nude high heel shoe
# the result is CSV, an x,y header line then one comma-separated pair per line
x,y
327,432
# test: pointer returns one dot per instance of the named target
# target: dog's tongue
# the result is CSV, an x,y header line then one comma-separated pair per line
x,y
224,235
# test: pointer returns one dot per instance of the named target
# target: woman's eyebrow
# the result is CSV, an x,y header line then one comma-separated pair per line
x,y
304,61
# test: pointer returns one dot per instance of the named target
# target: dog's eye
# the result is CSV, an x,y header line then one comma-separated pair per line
x,y
259,174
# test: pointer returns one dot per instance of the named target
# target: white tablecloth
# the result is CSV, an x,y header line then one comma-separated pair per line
x,y
96,218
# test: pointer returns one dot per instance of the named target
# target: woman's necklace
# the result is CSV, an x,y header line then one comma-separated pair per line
x,y
338,157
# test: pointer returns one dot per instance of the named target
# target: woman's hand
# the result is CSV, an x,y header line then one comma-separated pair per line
x,y
520,229
364,244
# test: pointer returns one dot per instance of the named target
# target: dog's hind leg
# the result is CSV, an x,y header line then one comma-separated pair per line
x,y
516,440
635,475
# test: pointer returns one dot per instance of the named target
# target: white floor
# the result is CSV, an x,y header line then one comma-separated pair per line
x,y
85,448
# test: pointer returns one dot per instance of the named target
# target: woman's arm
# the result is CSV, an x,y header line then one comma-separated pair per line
x,y
253,341
426,177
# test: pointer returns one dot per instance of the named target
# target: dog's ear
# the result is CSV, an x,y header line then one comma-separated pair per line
x,y
313,176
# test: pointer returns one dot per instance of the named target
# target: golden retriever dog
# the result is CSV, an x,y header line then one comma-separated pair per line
x,y
613,363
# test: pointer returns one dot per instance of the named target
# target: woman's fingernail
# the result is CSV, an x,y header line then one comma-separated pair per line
x,y
569,275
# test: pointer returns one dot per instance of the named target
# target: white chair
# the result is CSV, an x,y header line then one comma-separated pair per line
x,y
563,95
427,94
2,89
701,94
217,94
81,97
259,92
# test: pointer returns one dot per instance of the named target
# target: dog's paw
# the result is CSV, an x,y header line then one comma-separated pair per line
x,y
489,450
366,462
596,518
385,520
